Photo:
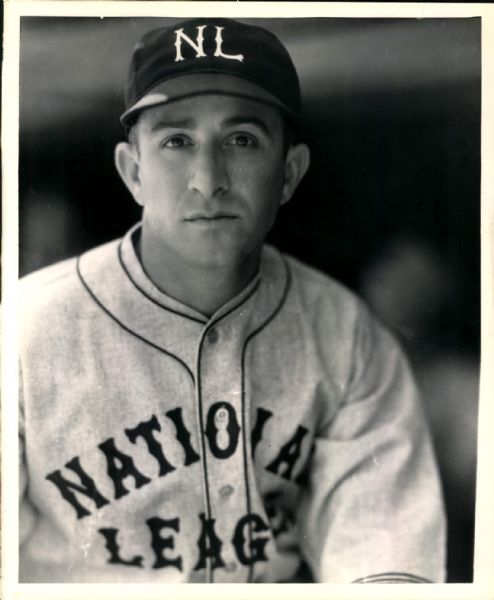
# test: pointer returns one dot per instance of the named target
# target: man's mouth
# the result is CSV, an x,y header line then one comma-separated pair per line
x,y
211,217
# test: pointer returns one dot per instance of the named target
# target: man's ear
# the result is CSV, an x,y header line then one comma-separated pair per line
x,y
127,163
297,162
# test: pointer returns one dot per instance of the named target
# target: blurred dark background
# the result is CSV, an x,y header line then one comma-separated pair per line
x,y
390,207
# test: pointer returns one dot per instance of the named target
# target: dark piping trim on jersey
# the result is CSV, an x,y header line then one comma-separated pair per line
x,y
229,312
199,399
210,573
393,577
112,316
244,352
139,288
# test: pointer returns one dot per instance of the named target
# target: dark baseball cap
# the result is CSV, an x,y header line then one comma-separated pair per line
x,y
176,62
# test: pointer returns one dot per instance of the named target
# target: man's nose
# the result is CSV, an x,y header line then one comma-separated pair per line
x,y
209,176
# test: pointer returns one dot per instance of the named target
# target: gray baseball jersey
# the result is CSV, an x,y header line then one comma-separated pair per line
x,y
159,445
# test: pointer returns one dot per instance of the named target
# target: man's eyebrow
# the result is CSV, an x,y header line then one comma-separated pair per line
x,y
246,120
173,124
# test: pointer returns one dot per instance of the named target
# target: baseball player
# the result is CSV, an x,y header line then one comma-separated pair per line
x,y
196,406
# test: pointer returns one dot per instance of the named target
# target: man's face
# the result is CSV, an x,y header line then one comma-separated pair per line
x,y
210,177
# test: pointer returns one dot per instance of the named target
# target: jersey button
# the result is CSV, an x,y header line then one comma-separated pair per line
x,y
226,491
231,566
213,336
221,414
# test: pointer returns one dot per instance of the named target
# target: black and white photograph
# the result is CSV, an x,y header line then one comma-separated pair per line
x,y
247,305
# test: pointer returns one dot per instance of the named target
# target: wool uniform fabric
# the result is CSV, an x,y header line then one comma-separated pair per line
x,y
159,445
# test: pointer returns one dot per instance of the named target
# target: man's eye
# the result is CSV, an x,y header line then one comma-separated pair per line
x,y
243,140
176,141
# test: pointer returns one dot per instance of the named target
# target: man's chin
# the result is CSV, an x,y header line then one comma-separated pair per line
x,y
215,255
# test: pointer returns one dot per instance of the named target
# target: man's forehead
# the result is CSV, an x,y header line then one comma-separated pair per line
x,y
212,109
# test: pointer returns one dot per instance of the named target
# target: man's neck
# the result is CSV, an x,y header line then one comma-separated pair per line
x,y
203,288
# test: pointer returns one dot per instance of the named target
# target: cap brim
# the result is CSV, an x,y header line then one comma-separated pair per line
x,y
196,84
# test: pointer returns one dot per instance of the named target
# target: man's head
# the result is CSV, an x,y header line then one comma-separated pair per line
x,y
213,107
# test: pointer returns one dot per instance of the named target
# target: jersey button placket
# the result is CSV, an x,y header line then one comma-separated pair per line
x,y
226,491
222,422
231,566
213,335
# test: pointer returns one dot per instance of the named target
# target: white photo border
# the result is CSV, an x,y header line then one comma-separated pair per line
x,y
483,585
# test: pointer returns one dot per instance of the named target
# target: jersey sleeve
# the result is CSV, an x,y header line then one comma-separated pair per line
x,y
373,510
27,513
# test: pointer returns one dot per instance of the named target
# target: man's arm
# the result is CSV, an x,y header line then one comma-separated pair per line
x,y
27,513
374,510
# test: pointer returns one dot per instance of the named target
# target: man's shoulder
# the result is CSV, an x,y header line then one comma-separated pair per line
x,y
58,284
336,316
318,288
327,306
55,275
